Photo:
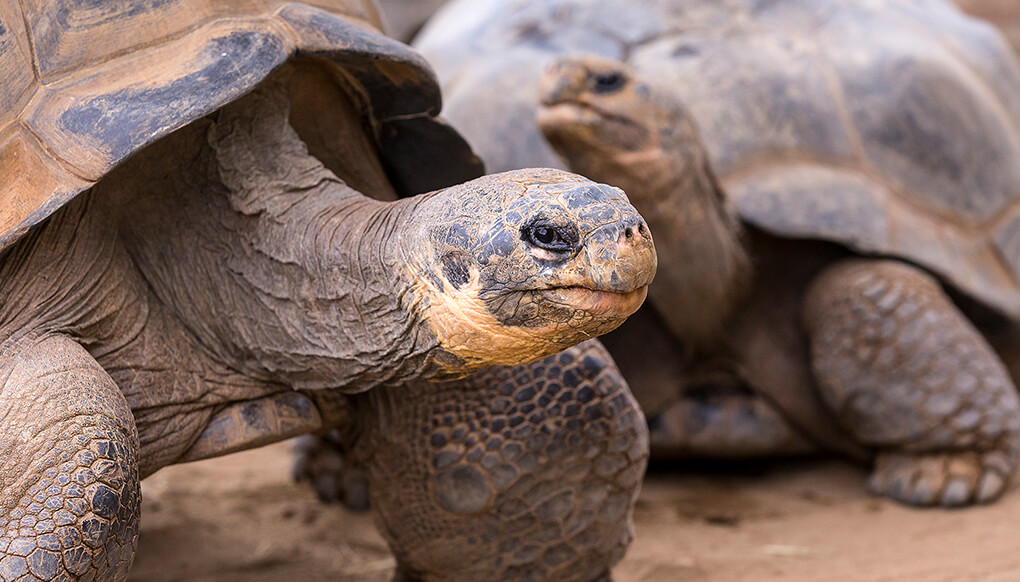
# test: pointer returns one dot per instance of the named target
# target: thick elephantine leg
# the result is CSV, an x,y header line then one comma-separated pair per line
x,y
69,494
526,473
908,375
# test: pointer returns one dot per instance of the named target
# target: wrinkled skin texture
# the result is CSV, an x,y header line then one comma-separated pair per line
x,y
530,470
224,290
525,473
891,362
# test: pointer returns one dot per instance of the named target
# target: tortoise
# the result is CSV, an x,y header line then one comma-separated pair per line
x,y
535,469
404,18
841,220
1003,13
195,259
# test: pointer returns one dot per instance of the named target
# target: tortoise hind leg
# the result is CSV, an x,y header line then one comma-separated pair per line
x,y
69,491
909,375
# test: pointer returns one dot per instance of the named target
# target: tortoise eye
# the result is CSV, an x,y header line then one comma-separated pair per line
x,y
550,237
605,83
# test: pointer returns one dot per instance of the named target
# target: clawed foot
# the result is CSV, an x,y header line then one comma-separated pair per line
x,y
947,480
320,460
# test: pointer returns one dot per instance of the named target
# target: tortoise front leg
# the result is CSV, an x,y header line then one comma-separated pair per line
x,y
524,473
69,492
909,375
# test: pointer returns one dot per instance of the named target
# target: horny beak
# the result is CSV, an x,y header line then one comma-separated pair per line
x,y
563,80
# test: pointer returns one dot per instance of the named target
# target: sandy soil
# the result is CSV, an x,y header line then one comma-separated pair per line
x,y
240,518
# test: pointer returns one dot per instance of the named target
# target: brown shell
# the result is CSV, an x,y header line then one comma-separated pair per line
x,y
890,127
86,84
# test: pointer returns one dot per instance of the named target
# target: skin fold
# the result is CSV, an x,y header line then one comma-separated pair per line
x,y
223,289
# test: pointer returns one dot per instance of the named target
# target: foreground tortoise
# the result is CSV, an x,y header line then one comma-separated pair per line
x,y
770,337
533,470
190,266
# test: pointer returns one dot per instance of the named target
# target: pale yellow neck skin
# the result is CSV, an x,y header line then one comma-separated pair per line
x,y
466,328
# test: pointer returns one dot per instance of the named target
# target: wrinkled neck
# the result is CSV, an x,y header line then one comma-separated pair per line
x,y
704,266
277,268
326,279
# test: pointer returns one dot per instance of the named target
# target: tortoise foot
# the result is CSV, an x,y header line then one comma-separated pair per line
x,y
946,480
908,375
321,461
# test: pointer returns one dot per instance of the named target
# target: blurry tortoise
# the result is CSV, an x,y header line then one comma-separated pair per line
x,y
827,290
1003,13
191,264
404,18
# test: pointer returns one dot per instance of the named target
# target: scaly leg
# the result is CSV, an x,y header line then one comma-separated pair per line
x,y
69,493
525,473
909,375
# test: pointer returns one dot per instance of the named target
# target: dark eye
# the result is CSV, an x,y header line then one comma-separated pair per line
x,y
607,82
557,239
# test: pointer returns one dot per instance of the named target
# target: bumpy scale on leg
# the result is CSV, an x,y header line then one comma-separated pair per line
x,y
908,374
69,493
525,473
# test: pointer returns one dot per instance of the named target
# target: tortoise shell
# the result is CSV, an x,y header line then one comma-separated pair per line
x,y
889,127
1003,13
86,84
403,18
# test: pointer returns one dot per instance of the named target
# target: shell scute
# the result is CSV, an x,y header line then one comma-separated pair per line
x,y
70,34
15,63
25,172
97,122
928,124
811,201
754,98
111,77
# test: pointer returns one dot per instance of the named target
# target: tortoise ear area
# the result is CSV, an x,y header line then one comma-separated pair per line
x,y
456,267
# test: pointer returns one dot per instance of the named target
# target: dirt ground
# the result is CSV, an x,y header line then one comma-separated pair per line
x,y
241,518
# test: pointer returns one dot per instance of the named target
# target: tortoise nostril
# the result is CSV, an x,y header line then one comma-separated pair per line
x,y
641,229
628,232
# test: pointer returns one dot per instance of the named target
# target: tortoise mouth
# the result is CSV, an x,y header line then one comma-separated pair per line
x,y
601,302
559,112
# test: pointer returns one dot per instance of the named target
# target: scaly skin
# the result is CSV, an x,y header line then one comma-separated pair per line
x,y
526,473
912,378
69,468
202,299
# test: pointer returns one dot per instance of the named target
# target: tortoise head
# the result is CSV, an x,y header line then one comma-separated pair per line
x,y
611,125
517,266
